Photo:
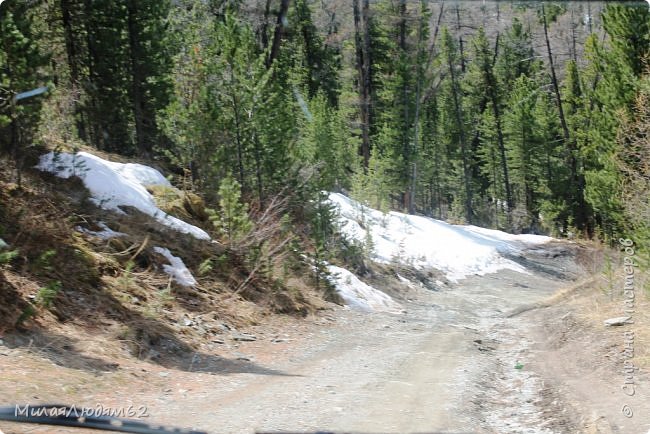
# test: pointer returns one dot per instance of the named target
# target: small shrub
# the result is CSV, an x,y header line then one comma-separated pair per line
x,y
46,295
232,220
206,267
43,262
7,257
26,314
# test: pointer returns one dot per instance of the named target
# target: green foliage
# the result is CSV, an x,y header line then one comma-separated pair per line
x,y
459,124
321,62
28,312
46,294
119,64
227,115
525,147
8,256
373,187
206,267
628,26
611,79
631,159
322,216
231,220
517,56
44,261
22,64
327,146
551,11
368,245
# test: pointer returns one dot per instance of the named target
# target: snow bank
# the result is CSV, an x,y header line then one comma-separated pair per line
x,y
113,185
458,251
105,234
177,269
359,295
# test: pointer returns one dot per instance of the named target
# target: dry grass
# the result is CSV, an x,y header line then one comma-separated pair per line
x,y
115,297
600,297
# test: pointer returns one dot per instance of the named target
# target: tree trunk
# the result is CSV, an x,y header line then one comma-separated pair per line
x,y
73,63
264,37
556,87
460,40
574,50
463,144
137,79
492,86
367,72
362,64
258,167
418,104
94,135
577,180
406,127
238,139
279,31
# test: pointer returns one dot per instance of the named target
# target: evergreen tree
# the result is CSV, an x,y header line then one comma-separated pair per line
x,y
436,171
525,150
232,219
150,64
632,159
453,126
187,120
21,62
483,93
327,145
321,61
516,56
612,77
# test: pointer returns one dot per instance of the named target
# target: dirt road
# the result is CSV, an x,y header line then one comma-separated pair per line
x,y
472,357
448,364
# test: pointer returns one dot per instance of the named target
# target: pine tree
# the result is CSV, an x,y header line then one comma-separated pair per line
x,y
525,150
612,77
327,145
150,64
21,62
484,94
436,171
453,126
187,121
490,166
232,219
516,56
632,159
321,61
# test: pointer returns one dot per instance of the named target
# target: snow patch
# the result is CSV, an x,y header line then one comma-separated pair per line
x,y
105,234
458,251
359,295
114,185
177,269
406,281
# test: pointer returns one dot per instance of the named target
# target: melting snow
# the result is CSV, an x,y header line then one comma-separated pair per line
x,y
458,251
359,295
113,185
177,269
105,234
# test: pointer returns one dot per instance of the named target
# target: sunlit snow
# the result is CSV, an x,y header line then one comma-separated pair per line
x,y
105,234
114,185
458,251
176,268
358,295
